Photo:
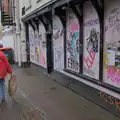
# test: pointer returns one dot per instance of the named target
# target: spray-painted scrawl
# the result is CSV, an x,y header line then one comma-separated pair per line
x,y
42,45
91,41
73,48
32,44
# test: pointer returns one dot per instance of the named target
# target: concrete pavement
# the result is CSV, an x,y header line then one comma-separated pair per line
x,y
18,109
58,102
10,110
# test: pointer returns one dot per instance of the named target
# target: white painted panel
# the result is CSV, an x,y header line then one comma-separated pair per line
x,y
32,44
72,38
91,39
112,43
42,50
58,44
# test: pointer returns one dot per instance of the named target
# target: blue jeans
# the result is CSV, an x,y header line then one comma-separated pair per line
x,y
2,89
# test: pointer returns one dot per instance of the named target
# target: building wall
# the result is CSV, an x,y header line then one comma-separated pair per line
x,y
91,45
58,44
37,39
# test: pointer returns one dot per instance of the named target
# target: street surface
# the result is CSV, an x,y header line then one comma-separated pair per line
x,y
39,98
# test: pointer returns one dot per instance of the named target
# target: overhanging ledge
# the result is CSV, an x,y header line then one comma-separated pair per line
x,y
45,8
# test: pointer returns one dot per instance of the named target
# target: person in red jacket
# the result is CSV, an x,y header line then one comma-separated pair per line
x,y
5,69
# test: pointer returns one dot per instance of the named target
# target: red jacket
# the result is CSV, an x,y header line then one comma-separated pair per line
x,y
5,67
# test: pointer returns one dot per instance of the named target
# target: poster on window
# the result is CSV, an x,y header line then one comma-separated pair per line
x,y
91,41
72,41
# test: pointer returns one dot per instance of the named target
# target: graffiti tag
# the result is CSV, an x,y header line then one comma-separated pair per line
x,y
113,20
111,100
91,22
90,59
114,75
73,64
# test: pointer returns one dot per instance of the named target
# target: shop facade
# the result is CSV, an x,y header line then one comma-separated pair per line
x,y
78,40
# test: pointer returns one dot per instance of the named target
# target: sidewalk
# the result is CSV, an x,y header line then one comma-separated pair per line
x,y
18,109
58,102
10,110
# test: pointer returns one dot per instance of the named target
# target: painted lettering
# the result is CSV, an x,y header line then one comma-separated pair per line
x,y
113,20
73,64
90,60
111,100
114,74
91,22
56,35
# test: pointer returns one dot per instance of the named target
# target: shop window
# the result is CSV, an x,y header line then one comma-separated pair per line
x,y
72,42
91,41
112,42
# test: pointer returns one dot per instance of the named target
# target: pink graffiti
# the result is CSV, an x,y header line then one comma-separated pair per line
x,y
42,59
74,26
114,74
90,59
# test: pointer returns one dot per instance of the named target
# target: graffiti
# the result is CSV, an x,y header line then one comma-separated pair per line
x,y
32,44
111,44
56,35
111,100
55,27
113,20
71,47
91,23
58,44
78,47
73,64
88,71
58,55
37,54
74,27
90,60
114,74
42,59
42,45
58,58
92,41
40,37
37,46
